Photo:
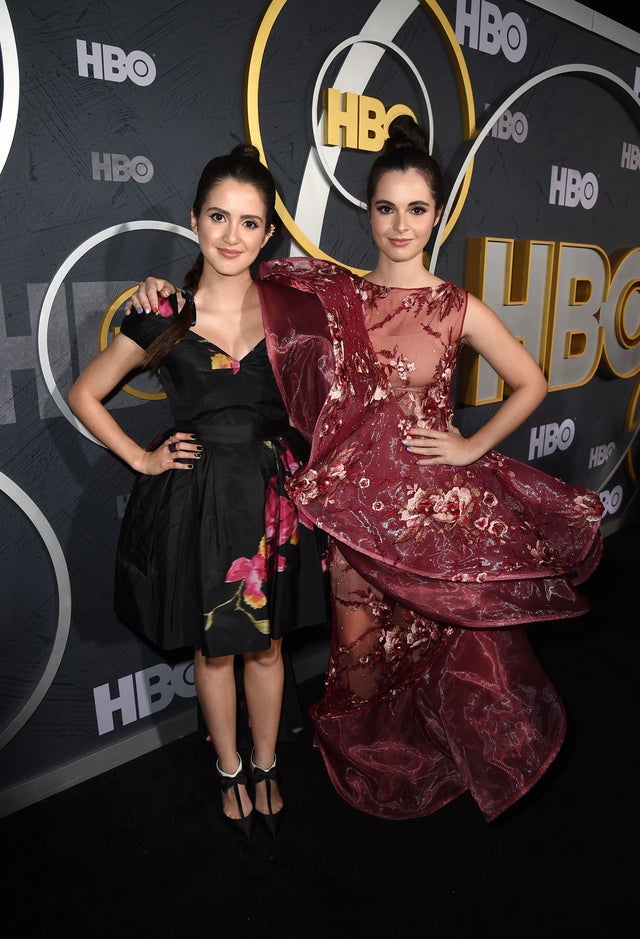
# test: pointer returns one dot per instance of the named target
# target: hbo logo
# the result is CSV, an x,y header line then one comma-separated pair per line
x,y
600,454
490,31
148,691
111,64
514,126
571,189
119,168
630,156
357,121
611,500
550,437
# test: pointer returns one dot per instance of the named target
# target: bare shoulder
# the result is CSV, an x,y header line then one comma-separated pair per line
x,y
479,318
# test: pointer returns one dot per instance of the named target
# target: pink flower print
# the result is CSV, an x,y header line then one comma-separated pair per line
x,y
449,507
452,506
400,362
283,510
543,553
404,426
164,308
315,484
304,487
498,528
288,460
254,573
222,360
379,393
281,522
590,505
419,508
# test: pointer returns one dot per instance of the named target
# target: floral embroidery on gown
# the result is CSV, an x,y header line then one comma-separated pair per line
x,y
427,694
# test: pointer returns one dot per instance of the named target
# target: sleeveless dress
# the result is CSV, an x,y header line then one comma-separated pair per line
x,y
432,688
218,557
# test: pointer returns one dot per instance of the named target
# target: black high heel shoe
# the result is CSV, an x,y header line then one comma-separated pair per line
x,y
244,824
273,820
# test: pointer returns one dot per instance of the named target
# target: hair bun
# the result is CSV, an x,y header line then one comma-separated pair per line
x,y
246,150
404,132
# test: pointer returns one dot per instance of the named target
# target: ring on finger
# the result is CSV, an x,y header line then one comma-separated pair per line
x,y
172,447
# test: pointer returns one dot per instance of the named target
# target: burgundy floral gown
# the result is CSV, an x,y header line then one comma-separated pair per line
x,y
432,687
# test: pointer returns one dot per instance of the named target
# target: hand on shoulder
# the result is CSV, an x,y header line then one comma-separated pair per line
x,y
149,295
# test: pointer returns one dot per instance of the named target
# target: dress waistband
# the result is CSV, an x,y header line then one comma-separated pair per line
x,y
240,433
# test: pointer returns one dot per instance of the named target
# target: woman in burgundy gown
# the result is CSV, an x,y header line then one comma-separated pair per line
x,y
442,549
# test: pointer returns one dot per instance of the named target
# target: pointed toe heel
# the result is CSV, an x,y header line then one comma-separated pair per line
x,y
272,820
243,825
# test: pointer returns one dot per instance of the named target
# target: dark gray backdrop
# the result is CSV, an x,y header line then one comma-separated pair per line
x,y
109,112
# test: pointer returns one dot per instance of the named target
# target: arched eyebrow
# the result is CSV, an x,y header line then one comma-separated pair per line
x,y
389,202
218,208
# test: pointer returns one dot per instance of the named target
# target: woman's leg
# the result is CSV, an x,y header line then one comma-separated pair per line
x,y
216,688
263,689
360,613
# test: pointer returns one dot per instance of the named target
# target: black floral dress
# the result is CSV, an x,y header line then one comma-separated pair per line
x,y
219,557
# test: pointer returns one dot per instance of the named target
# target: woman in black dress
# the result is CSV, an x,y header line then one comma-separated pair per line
x,y
211,548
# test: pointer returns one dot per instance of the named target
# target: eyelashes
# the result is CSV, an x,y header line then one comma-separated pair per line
x,y
389,210
221,219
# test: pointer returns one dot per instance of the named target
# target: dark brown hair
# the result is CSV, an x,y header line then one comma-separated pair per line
x,y
407,148
242,164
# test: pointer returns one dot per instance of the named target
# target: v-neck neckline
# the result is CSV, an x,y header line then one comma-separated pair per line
x,y
224,351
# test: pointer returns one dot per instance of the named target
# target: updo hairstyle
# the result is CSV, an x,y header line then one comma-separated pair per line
x,y
407,148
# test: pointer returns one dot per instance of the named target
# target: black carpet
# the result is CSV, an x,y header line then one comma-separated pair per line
x,y
142,851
